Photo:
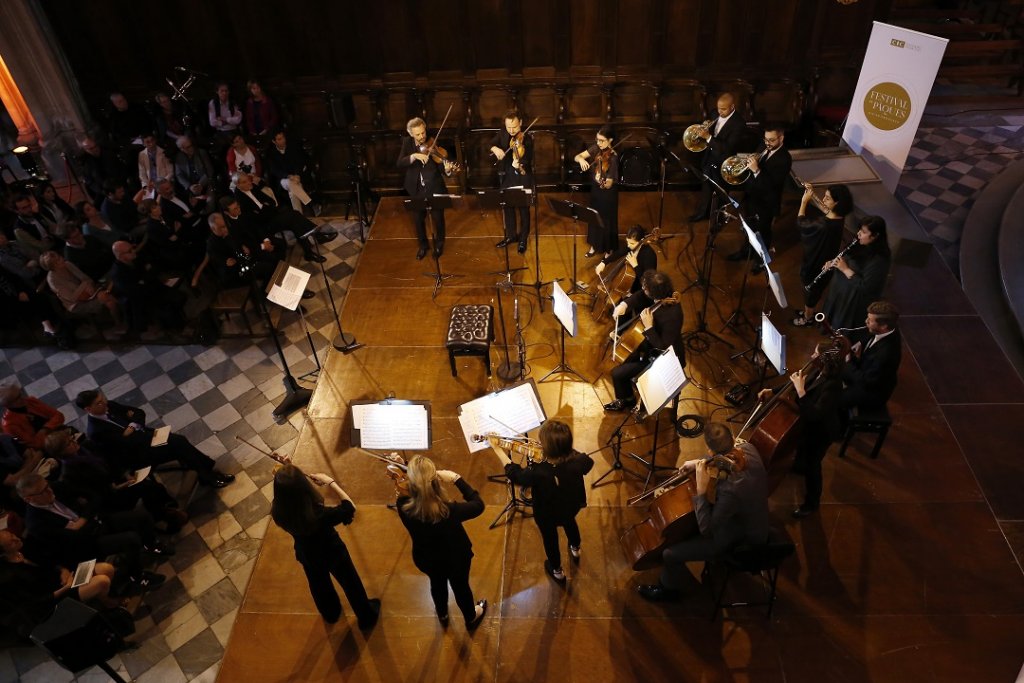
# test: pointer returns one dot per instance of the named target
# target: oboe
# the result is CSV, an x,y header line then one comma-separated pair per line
x,y
830,265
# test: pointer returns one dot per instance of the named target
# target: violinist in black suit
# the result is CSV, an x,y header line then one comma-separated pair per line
x,y
662,330
724,138
121,431
424,177
764,187
871,375
516,170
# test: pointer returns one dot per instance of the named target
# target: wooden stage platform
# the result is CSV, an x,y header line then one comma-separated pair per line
x,y
907,574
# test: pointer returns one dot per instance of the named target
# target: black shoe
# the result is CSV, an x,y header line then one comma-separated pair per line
x,y
325,237
224,477
556,574
740,255
308,294
699,216
438,249
521,248
315,258
658,593
802,512
443,618
504,243
147,581
420,253
619,405
158,549
471,626
369,622
757,268
590,254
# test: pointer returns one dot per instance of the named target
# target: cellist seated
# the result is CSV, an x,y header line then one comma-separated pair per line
x,y
735,514
659,327
637,257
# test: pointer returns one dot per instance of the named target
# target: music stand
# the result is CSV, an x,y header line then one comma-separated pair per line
x,y
577,212
343,342
521,407
391,425
564,309
498,200
695,339
658,384
755,245
428,204
285,289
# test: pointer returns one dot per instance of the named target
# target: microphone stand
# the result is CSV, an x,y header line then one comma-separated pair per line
x,y
508,370
704,280
343,342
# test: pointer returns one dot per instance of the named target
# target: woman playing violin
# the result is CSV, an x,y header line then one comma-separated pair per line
x,y
558,491
662,325
299,509
514,150
425,169
638,256
818,399
602,162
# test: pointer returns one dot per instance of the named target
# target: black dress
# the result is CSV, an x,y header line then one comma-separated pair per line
x,y
820,238
847,299
605,202
442,550
322,554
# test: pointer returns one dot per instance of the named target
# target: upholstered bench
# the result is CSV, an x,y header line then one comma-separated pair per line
x,y
470,331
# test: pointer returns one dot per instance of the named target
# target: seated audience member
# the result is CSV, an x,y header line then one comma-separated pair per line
x,y
119,210
20,277
89,254
31,586
17,460
127,123
263,209
286,166
153,165
56,213
242,158
30,230
121,432
71,534
26,418
260,111
19,262
99,165
91,477
233,257
166,241
142,294
872,373
167,119
79,293
194,172
188,213
95,224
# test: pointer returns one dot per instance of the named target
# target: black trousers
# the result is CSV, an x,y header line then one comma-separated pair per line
x,y
179,449
809,453
340,566
458,579
549,536
437,218
622,378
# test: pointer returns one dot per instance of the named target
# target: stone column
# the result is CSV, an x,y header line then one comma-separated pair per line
x,y
36,85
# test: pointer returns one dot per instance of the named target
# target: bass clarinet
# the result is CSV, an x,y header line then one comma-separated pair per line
x,y
830,265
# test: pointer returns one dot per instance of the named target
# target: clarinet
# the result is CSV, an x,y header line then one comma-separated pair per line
x,y
830,265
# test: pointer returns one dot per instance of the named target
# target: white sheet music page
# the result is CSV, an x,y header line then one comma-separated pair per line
x,y
511,412
661,381
288,293
394,427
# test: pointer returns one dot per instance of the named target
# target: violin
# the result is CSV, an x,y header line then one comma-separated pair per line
x,y
396,470
601,164
518,147
439,155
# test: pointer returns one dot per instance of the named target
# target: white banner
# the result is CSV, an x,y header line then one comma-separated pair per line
x,y
895,81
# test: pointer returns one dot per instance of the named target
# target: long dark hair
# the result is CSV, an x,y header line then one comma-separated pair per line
x,y
880,245
296,503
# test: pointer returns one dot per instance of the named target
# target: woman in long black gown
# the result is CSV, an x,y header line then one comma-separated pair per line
x,y
602,162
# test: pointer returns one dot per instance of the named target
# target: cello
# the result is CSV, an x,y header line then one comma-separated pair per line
x,y
628,342
619,284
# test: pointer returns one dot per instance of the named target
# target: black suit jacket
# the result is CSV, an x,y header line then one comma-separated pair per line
x,y
432,174
437,548
509,176
871,379
667,331
764,191
109,435
726,143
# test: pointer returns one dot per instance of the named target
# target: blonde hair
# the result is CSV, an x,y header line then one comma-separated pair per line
x,y
426,501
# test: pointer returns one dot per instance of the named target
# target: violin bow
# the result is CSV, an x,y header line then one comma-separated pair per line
x,y
274,456
443,122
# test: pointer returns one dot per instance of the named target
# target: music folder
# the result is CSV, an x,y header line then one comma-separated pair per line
x,y
391,425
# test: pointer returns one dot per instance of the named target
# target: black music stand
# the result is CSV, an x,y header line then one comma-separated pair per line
x,y
615,441
564,309
428,204
577,212
498,200
295,397
695,340
343,341
668,380
739,318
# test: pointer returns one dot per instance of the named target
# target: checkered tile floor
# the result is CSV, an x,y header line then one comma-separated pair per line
x,y
946,168
211,395
214,394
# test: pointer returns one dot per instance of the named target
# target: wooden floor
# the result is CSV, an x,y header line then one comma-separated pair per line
x,y
907,573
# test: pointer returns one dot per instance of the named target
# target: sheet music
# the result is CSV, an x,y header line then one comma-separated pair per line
x,y
661,381
564,308
756,242
392,427
773,343
288,292
775,282
511,412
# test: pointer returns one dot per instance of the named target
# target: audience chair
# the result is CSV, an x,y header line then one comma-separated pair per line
x,y
875,421
235,300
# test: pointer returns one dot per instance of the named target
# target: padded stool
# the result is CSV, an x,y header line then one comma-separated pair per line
x,y
470,331
874,421
761,560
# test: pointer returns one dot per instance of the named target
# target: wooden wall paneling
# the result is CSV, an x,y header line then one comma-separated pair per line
x,y
633,102
586,37
585,103
543,37
382,150
480,170
548,158
779,101
399,105
678,56
442,28
358,110
541,100
333,154
351,48
492,101
402,42
741,90
682,101
489,35
635,34
436,102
